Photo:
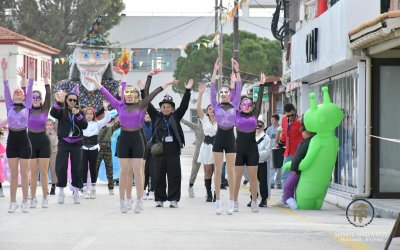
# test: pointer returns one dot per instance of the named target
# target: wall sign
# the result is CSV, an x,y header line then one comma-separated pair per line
x,y
311,46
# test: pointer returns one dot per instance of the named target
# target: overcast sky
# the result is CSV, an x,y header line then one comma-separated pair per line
x,y
171,7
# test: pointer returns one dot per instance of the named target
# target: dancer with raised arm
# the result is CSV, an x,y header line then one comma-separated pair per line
x,y
71,124
225,115
40,141
210,128
247,149
130,147
18,148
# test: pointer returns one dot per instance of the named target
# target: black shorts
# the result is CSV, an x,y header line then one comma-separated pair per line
x,y
18,145
130,145
40,145
146,148
247,150
224,140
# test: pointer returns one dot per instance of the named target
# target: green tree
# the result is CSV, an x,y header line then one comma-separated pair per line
x,y
58,22
256,55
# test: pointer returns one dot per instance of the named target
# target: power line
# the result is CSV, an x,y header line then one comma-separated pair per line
x,y
241,19
162,32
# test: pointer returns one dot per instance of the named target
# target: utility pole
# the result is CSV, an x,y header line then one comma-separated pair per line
x,y
220,47
216,16
235,52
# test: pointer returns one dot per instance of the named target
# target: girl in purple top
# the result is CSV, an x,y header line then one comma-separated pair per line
x,y
247,149
130,148
225,115
18,145
40,141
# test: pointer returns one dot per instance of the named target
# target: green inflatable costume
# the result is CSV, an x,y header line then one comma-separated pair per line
x,y
317,167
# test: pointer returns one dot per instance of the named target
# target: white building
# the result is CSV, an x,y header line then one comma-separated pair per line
x,y
18,50
336,50
158,41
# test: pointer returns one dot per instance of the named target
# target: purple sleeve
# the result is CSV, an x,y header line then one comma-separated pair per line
x,y
213,95
233,93
123,84
114,102
24,90
7,95
236,100
79,117
28,97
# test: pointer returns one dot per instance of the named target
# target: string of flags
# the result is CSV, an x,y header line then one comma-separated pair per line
x,y
227,16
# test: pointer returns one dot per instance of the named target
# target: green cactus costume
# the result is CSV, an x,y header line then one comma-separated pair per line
x,y
317,167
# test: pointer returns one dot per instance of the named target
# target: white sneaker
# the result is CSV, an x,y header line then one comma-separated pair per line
x,y
159,204
191,192
145,196
61,197
254,206
230,207
123,207
1,192
151,196
24,207
138,206
33,202
13,207
45,203
218,207
292,203
93,194
173,204
111,191
129,203
279,204
86,194
236,206
76,197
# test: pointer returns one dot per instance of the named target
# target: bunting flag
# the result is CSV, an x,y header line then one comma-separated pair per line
x,y
56,61
62,60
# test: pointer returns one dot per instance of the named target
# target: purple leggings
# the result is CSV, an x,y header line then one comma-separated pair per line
x,y
290,186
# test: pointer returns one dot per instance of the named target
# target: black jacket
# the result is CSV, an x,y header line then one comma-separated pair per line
x,y
65,125
174,119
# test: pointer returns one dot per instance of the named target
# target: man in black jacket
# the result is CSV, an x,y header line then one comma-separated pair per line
x,y
168,131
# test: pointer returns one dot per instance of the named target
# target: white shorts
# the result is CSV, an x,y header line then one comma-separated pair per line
x,y
206,154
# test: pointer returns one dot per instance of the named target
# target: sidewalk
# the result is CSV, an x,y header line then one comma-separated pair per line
x,y
384,208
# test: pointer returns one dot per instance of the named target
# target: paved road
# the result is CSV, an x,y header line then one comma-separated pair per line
x,y
98,224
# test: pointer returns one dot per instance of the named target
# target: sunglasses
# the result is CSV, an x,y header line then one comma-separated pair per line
x,y
36,98
223,92
290,115
246,104
72,100
129,92
259,126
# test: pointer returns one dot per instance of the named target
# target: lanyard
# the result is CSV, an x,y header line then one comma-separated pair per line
x,y
168,126
71,120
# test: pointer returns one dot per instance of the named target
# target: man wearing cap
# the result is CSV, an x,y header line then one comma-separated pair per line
x,y
92,57
168,131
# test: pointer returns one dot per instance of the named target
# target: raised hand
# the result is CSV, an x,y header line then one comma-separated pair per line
x,y
46,74
201,88
4,64
31,69
167,84
140,84
60,96
21,72
263,78
105,105
217,65
154,72
235,65
92,80
189,84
